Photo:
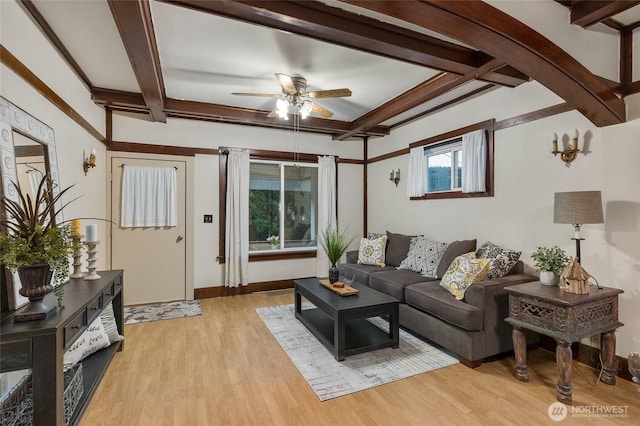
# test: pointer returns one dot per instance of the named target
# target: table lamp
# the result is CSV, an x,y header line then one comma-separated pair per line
x,y
578,208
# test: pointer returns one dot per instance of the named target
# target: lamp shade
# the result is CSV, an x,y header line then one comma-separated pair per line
x,y
578,207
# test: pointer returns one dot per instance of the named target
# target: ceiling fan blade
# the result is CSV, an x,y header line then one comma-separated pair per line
x,y
332,93
264,95
321,110
286,82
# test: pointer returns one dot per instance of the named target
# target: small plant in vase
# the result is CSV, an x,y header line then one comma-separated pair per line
x,y
273,240
549,261
335,243
33,245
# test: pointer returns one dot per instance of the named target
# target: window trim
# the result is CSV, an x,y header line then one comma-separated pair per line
x,y
442,139
255,154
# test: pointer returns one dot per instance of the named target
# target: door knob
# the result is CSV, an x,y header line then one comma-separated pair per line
x,y
179,238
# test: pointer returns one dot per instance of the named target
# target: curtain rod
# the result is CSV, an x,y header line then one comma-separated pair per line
x,y
122,165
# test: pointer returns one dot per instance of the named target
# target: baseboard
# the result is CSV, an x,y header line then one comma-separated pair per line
x,y
588,355
209,292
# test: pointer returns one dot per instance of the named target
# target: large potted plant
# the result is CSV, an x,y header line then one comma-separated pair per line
x,y
33,245
335,242
549,261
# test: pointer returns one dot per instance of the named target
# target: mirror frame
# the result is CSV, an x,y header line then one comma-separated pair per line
x,y
12,118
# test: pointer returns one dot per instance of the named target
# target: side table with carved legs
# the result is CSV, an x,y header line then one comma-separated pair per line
x,y
568,318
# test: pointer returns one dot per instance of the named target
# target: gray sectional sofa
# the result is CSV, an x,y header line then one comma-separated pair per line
x,y
473,328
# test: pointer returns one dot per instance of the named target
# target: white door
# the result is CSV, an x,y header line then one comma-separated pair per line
x,y
153,259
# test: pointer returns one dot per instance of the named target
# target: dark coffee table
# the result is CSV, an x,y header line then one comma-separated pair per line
x,y
339,322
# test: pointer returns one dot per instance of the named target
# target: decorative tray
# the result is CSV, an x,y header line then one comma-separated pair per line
x,y
342,291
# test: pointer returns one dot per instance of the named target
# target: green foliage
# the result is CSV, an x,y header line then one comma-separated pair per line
x,y
31,237
263,214
335,243
550,259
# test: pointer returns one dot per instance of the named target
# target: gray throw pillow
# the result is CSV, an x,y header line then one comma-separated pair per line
x,y
397,248
424,256
455,249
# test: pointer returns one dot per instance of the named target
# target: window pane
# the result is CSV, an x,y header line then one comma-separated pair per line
x,y
439,172
457,155
264,201
301,210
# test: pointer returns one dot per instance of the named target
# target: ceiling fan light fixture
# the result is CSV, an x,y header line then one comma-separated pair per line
x,y
305,109
282,107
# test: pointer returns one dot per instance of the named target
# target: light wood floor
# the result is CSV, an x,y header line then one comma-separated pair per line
x,y
225,368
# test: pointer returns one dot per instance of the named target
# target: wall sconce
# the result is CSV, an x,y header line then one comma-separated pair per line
x,y
569,154
394,176
89,162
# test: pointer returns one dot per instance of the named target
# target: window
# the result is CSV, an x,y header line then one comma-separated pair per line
x,y
282,204
444,167
445,170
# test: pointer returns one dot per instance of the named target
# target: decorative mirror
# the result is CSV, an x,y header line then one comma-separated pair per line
x,y
27,151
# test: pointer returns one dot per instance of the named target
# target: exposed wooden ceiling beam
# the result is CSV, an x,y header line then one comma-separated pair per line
x,y
488,29
133,19
588,13
134,102
337,26
423,92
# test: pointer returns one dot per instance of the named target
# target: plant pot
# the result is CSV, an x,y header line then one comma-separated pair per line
x,y
36,283
548,278
334,274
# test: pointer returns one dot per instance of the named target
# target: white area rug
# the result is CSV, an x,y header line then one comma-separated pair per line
x,y
329,378
161,311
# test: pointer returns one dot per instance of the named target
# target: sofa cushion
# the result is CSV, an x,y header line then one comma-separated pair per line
x,y
455,249
393,282
397,248
372,251
502,260
433,299
424,256
464,271
360,273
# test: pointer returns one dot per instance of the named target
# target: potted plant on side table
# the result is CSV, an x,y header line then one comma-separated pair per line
x,y
549,261
32,244
335,243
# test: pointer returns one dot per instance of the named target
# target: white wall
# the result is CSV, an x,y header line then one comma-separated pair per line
x,y
520,215
193,133
19,35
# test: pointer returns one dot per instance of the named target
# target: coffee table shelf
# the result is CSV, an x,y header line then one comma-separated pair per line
x,y
340,324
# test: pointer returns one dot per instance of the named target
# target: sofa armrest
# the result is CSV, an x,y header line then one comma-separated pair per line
x,y
352,256
486,294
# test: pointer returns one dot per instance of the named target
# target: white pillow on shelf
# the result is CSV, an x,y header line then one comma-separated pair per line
x,y
91,340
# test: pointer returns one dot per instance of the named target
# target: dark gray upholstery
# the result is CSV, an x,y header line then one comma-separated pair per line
x,y
393,282
397,248
473,328
432,298
455,249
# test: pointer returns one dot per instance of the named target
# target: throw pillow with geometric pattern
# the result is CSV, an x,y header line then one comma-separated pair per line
x,y
464,271
502,260
371,251
424,256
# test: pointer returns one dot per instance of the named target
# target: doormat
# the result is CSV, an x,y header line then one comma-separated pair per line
x,y
329,378
161,311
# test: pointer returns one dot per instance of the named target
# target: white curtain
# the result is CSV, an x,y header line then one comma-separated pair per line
x,y
149,197
236,265
35,177
416,173
326,207
474,161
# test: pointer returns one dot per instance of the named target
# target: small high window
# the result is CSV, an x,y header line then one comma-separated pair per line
x,y
444,167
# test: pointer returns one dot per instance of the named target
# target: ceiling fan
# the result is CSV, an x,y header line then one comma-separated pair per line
x,y
294,94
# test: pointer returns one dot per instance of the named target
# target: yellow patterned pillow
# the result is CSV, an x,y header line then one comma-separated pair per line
x,y
464,271
371,251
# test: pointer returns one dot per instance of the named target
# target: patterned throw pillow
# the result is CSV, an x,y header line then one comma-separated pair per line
x,y
502,260
464,271
371,251
91,340
424,256
109,323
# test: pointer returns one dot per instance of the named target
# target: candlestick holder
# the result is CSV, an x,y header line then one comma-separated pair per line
x,y
91,251
77,254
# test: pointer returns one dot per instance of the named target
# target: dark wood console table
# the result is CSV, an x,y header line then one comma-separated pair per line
x,y
40,345
568,318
